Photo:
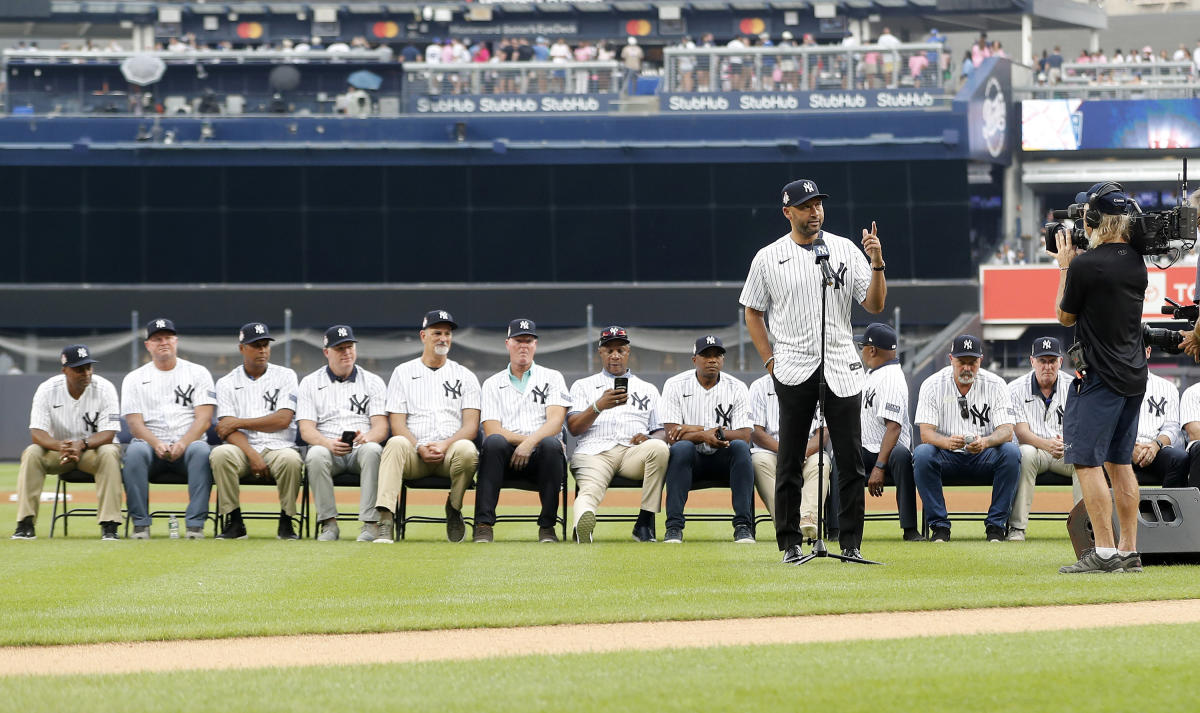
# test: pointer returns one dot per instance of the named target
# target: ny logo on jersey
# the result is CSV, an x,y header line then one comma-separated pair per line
x,y
724,415
184,398
839,276
359,406
92,423
981,417
539,395
869,399
1155,406
453,392
272,399
642,402
1059,412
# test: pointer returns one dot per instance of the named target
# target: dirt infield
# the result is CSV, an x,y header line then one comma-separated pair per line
x,y
464,644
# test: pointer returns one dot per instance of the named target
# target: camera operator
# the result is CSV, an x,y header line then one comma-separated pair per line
x,y
1100,292
1191,340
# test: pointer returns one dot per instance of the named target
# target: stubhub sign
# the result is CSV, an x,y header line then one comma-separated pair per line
x,y
804,101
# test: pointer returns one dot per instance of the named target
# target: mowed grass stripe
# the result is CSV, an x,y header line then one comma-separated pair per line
x,y
1098,671
465,644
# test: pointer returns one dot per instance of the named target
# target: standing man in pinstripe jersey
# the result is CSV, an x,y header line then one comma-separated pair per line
x,y
784,288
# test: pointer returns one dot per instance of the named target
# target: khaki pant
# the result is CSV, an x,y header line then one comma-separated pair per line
x,y
104,463
764,482
647,462
1034,462
401,462
230,464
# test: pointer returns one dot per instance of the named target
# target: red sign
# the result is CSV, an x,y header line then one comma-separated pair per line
x,y
1021,294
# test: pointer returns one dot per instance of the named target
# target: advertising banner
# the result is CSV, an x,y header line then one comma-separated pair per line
x,y
1024,294
511,104
848,100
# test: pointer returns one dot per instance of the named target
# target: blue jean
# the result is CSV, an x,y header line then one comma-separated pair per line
x,y
141,463
732,465
1001,466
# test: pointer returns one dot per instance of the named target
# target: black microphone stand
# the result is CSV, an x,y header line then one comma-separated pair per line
x,y
821,253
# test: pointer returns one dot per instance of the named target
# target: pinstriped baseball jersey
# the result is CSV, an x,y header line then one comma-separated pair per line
x,y
167,400
519,412
1045,420
64,418
240,396
1160,411
988,404
341,405
434,399
764,411
1189,406
686,402
785,282
615,426
885,398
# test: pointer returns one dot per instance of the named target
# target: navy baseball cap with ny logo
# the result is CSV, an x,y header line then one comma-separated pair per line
x,y
253,332
798,192
339,334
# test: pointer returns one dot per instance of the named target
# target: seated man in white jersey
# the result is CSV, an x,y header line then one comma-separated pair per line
x,y
615,416
707,418
256,407
1189,415
72,423
524,407
168,406
341,413
433,407
965,416
1039,400
1158,459
886,430
764,453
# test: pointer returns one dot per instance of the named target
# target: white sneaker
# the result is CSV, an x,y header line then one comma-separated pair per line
x,y
329,532
808,527
1015,535
368,533
195,533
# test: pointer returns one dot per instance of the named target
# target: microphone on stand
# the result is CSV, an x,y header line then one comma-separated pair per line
x,y
821,254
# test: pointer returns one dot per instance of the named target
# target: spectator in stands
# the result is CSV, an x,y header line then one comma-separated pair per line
x,y
771,72
631,57
706,414
523,410
585,52
764,454
168,406
704,64
355,102
1181,54
965,416
72,424
686,66
1157,459
789,66
410,53
1055,63
967,67
560,53
525,51
1196,58
619,433
1039,399
981,50
256,405
917,64
433,52
885,426
341,412
433,405
998,50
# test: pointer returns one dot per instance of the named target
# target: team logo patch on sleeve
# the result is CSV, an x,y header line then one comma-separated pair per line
x,y
894,408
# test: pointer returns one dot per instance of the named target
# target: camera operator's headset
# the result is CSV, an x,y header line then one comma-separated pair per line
x,y
1092,216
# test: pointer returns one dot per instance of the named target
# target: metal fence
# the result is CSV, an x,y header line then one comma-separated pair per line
x,y
1093,80
721,69
442,79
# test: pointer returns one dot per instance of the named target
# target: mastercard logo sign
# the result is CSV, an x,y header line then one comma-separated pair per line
x,y
250,30
385,30
752,26
638,28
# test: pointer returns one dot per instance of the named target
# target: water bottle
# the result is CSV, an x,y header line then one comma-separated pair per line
x,y
173,527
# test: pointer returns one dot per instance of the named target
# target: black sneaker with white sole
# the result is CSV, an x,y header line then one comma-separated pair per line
x,y
285,531
108,531
1092,563
25,530
674,536
743,535
939,534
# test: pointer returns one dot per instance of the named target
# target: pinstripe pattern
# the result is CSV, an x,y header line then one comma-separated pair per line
x,y
1044,421
65,418
1160,411
686,402
764,411
615,426
167,400
885,398
336,406
989,405
785,282
525,412
240,396
1189,405
433,399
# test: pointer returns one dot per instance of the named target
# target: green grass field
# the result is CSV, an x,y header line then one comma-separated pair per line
x,y
82,590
